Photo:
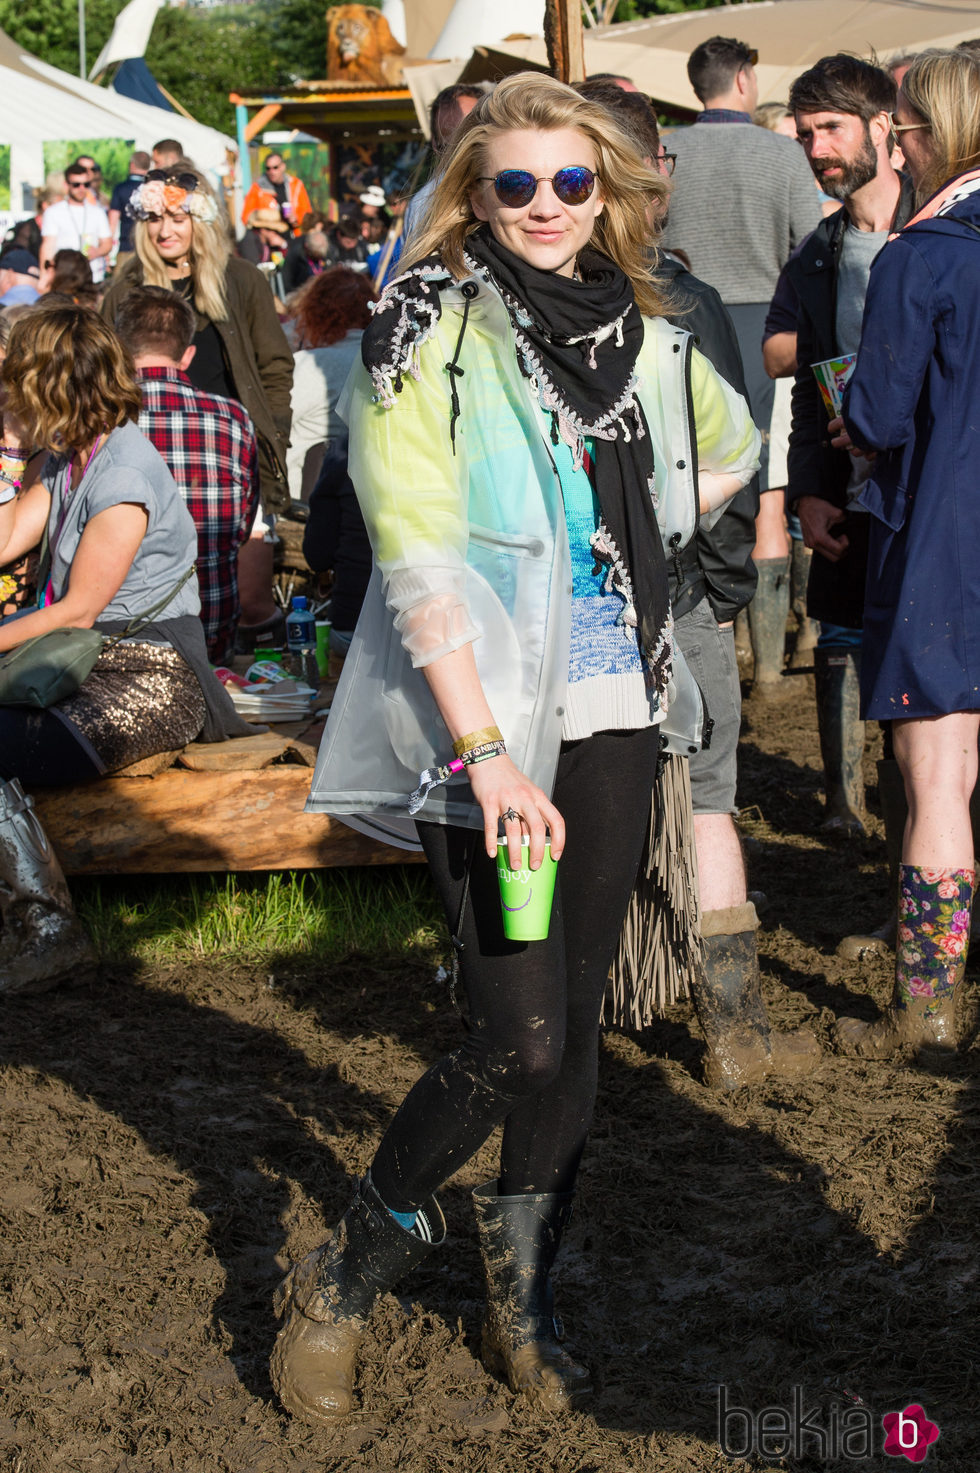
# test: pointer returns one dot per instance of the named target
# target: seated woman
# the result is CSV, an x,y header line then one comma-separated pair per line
x,y
118,544
17,579
331,313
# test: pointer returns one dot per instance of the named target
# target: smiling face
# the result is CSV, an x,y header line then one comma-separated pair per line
x,y
545,233
170,235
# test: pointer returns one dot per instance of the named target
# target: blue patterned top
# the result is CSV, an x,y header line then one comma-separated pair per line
x,y
606,679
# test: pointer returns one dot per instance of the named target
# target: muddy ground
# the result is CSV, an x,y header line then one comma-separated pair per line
x,y
171,1138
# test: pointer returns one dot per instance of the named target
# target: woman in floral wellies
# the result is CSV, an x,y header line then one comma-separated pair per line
x,y
914,399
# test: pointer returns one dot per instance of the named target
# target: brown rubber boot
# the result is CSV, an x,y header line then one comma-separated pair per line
x,y
42,941
930,959
326,1298
519,1238
728,1001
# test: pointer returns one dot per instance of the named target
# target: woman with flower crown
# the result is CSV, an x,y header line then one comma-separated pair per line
x,y
529,441
182,242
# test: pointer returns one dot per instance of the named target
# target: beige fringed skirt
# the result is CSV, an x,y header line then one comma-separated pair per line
x,y
660,943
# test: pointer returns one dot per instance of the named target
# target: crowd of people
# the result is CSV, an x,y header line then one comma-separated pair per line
x,y
576,436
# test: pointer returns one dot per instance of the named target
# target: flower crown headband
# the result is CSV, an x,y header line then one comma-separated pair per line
x,y
161,191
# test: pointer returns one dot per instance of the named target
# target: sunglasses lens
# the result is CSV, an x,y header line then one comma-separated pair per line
x,y
574,185
515,187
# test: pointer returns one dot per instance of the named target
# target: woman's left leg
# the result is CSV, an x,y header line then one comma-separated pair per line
x,y
603,792
938,760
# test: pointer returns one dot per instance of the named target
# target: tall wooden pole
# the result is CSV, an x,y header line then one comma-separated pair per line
x,y
564,38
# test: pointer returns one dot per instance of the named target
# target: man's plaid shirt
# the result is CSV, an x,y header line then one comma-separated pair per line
x,y
210,446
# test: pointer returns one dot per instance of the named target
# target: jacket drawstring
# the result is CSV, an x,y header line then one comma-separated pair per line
x,y
469,290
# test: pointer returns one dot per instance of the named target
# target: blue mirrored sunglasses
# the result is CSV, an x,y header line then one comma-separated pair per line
x,y
517,187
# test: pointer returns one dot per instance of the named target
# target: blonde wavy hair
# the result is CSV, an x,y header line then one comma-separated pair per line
x,y
209,253
943,88
533,100
68,378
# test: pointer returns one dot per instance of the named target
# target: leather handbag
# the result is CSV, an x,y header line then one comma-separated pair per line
x,y
46,669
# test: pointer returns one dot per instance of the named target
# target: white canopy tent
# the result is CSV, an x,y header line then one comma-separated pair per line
x,y
790,35
474,23
43,104
34,114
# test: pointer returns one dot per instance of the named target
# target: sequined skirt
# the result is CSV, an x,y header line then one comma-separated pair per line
x,y
138,700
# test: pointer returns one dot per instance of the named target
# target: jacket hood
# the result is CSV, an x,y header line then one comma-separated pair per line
x,y
959,219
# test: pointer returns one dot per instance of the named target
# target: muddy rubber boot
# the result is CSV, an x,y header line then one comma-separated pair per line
x,y
519,1238
894,811
325,1300
768,613
743,644
837,673
930,958
42,941
807,629
728,1001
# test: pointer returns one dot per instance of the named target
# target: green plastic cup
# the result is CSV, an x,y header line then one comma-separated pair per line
x,y
526,894
323,627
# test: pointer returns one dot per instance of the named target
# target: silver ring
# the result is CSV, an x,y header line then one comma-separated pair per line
x,y
512,813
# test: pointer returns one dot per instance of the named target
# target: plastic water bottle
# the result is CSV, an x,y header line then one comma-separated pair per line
x,y
301,641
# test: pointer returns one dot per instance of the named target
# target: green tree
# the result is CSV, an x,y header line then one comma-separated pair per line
x,y
49,28
200,56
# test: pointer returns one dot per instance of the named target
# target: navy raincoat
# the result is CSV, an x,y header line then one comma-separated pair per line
x,y
915,399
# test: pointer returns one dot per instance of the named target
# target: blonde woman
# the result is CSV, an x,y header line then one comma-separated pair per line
x,y
523,449
182,243
914,402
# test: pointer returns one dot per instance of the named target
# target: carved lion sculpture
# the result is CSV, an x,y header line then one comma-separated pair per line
x,y
361,48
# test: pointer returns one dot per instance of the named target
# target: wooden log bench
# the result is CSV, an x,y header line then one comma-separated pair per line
x,y
235,805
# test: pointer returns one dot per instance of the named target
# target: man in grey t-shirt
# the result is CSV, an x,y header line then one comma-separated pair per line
x,y
743,198
842,107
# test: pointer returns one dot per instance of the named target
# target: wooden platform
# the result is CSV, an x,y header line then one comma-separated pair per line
x,y
231,806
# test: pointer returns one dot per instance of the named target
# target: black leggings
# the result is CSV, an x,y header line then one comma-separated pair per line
x,y
38,748
530,1056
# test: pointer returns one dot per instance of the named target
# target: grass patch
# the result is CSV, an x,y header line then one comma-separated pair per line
x,y
388,912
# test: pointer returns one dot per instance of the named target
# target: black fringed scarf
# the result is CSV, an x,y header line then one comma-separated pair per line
x,y
577,343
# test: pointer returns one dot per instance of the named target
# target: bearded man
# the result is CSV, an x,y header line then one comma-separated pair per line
x,y
843,119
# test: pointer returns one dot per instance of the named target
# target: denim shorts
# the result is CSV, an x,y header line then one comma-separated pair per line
x,y
710,652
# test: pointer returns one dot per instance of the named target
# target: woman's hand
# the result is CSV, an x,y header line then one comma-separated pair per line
x,y
498,786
